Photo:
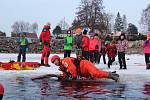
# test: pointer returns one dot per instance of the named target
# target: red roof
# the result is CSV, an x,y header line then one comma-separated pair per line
x,y
32,35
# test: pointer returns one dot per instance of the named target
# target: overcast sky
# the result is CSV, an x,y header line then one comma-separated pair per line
x,y
42,11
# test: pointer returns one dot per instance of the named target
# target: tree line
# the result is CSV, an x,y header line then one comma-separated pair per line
x,y
91,14
21,26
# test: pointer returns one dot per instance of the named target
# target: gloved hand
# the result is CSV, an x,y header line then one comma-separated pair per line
x,y
147,42
96,47
46,43
62,78
40,43
27,49
74,78
71,44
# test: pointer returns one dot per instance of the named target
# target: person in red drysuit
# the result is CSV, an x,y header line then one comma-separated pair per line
x,y
73,68
45,41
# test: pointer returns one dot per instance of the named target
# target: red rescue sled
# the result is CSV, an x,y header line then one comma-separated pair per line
x,y
19,65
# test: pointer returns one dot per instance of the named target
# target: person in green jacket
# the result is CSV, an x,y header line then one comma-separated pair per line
x,y
68,43
23,47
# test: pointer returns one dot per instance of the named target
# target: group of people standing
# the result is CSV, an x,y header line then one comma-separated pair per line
x,y
92,47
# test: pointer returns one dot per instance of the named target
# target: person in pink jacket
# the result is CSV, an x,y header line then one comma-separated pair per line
x,y
85,45
97,49
147,51
94,47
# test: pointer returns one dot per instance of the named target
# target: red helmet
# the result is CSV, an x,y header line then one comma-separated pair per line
x,y
46,27
54,58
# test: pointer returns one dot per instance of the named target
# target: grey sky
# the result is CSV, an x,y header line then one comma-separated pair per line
x,y
41,11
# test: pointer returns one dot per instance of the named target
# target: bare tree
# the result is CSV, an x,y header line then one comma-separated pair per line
x,y
34,27
21,26
145,19
15,27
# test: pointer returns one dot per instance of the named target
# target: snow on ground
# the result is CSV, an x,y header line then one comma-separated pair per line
x,y
135,67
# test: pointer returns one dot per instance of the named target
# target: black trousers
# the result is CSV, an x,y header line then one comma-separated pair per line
x,y
67,53
104,59
92,56
21,52
96,57
147,56
1,97
122,60
110,61
85,54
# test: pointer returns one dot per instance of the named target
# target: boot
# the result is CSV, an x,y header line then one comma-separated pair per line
x,y
113,76
47,65
42,62
46,62
148,66
113,72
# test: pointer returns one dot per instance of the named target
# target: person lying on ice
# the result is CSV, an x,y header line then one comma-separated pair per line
x,y
73,68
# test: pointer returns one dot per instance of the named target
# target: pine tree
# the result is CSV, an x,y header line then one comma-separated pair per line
x,y
124,23
118,23
57,31
132,29
90,14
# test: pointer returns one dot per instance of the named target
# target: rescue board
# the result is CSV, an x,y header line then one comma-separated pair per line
x,y
19,65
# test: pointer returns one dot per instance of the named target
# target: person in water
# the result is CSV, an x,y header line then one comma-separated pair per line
x,y
75,67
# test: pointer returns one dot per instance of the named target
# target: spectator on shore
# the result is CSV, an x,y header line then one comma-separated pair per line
x,y
23,46
85,45
102,51
78,42
111,52
68,43
122,46
147,51
97,49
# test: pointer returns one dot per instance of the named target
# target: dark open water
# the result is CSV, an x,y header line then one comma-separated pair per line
x,y
50,89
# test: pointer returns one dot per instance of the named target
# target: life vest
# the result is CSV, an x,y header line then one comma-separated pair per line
x,y
76,62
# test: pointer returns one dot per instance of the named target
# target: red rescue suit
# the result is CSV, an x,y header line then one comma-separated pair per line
x,y
45,39
87,69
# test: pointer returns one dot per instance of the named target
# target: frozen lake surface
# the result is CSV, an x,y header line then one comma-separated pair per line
x,y
134,82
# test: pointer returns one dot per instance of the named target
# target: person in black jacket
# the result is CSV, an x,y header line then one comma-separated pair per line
x,y
78,41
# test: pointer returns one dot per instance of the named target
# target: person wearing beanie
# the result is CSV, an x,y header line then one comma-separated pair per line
x,y
111,52
73,68
85,45
23,47
97,49
45,41
147,51
108,39
92,46
78,41
102,51
68,43
122,46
